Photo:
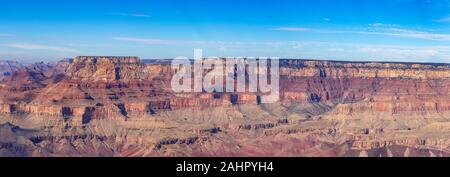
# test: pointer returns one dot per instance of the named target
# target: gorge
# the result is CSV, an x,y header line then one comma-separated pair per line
x,y
124,106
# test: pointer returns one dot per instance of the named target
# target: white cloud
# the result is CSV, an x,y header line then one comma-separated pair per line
x,y
415,34
383,25
370,52
391,31
336,50
444,20
223,48
28,46
407,53
152,41
131,15
290,29
146,40
5,35
315,49
140,15
155,41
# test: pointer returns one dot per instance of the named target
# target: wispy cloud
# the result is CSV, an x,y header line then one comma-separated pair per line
x,y
383,25
444,20
406,53
28,46
5,35
153,41
381,29
131,15
290,29
375,52
313,49
399,32
148,40
336,50
140,15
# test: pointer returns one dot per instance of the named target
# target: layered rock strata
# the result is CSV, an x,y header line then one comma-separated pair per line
x,y
126,106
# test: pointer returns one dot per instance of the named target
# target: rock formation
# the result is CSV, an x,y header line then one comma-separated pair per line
x,y
124,106
8,67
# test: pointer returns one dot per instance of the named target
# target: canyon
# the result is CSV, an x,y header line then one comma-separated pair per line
x,y
125,106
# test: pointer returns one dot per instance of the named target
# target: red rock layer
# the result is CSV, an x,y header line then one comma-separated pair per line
x,y
117,87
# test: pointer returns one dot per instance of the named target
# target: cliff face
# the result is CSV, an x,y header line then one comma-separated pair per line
x,y
356,107
394,88
109,69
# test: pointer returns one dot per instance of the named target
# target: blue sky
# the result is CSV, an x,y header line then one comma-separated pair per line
x,y
381,30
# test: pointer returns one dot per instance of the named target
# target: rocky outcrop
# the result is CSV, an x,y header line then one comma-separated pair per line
x,y
8,67
109,69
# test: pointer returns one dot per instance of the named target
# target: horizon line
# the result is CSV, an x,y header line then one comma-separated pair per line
x,y
279,58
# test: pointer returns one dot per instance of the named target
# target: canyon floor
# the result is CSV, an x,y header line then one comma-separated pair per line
x,y
123,106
